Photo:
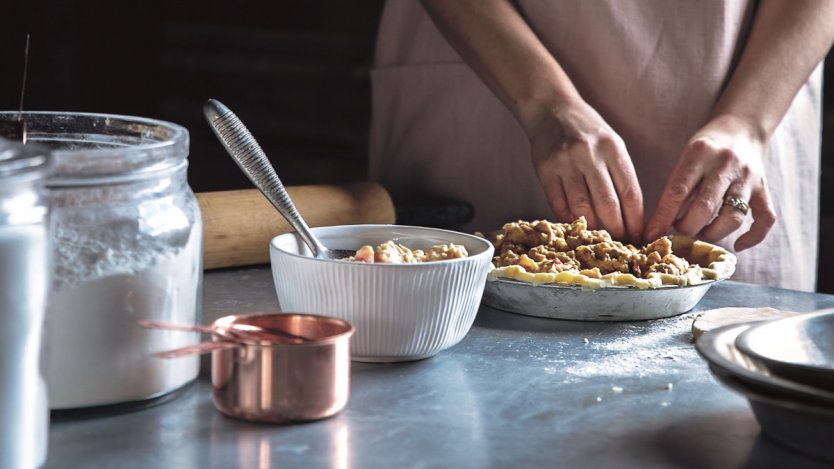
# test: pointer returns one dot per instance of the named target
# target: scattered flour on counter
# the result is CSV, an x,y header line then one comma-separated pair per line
x,y
642,350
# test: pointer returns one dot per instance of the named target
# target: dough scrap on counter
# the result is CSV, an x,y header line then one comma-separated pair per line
x,y
718,317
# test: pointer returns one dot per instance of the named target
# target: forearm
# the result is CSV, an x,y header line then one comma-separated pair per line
x,y
497,43
787,41
582,164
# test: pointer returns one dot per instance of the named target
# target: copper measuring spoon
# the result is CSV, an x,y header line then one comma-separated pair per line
x,y
201,348
236,333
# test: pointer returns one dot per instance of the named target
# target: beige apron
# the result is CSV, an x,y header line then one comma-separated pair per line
x,y
653,69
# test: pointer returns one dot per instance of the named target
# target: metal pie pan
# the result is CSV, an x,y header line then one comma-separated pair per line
x,y
718,348
800,348
797,424
585,304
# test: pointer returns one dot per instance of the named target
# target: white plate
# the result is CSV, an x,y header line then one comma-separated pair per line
x,y
584,304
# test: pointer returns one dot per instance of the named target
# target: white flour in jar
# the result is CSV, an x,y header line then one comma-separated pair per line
x,y
106,278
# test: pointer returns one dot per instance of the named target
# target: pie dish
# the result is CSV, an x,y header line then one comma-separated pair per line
x,y
592,292
795,414
543,252
799,348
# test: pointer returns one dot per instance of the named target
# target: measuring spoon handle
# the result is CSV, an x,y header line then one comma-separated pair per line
x,y
201,348
149,324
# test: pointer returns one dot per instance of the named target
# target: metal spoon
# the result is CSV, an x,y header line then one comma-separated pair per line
x,y
249,156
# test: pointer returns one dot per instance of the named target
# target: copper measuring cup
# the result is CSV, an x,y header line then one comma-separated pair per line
x,y
267,378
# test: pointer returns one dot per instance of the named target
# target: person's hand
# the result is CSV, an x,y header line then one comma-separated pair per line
x,y
720,165
585,169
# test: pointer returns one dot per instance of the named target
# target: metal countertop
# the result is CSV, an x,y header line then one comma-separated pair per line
x,y
517,392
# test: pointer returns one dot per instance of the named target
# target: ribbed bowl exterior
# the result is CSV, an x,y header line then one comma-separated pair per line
x,y
400,312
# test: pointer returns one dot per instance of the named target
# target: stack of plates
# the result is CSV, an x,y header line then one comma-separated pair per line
x,y
785,367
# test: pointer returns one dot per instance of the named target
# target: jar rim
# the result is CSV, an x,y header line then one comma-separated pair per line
x,y
98,148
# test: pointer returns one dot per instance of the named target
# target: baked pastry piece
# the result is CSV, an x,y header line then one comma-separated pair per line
x,y
542,252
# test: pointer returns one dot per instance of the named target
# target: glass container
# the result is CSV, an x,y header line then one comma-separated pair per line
x,y
24,282
127,246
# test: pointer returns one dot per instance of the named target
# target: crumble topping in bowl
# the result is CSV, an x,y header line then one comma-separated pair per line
x,y
390,252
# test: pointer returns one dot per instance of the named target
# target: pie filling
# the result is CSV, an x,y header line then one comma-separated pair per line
x,y
543,252
390,252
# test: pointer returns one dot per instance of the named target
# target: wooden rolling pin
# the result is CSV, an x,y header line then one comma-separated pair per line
x,y
238,225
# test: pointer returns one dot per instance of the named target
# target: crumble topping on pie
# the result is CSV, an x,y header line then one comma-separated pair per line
x,y
542,252
390,252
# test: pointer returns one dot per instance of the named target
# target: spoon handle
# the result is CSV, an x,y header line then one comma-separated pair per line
x,y
249,156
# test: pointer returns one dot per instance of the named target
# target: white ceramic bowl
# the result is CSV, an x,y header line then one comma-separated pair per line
x,y
400,311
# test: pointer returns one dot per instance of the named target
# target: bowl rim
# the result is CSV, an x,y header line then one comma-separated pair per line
x,y
224,322
487,252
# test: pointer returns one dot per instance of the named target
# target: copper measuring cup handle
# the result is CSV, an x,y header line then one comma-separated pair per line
x,y
201,348
148,324
240,331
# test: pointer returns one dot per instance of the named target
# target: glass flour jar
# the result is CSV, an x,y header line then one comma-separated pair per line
x,y
127,246
24,283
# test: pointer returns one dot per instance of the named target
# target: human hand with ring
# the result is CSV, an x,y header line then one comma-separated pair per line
x,y
717,179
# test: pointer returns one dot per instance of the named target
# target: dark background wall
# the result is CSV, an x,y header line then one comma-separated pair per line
x,y
295,72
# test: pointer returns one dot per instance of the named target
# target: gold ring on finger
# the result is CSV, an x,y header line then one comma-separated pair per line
x,y
737,204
